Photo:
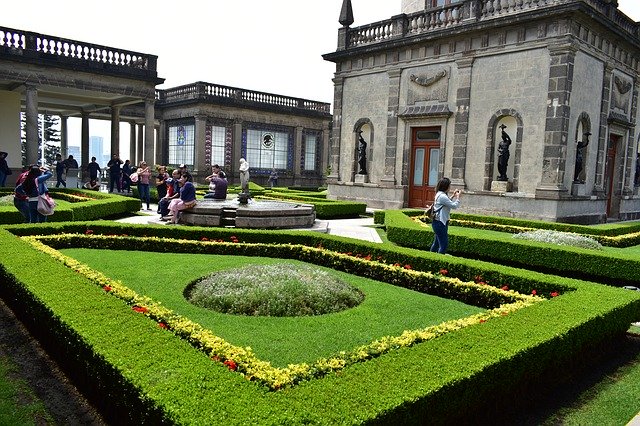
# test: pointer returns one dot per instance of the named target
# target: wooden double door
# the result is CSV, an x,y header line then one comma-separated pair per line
x,y
425,161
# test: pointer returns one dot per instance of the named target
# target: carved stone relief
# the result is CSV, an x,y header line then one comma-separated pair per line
x,y
621,94
429,86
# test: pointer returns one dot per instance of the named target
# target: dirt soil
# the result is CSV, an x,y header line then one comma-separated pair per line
x,y
62,400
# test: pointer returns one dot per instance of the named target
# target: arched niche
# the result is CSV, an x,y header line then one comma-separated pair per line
x,y
514,128
365,126
581,152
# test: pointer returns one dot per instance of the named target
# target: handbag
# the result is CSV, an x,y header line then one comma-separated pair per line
x,y
46,205
133,177
430,213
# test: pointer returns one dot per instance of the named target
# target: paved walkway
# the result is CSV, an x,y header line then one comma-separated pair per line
x,y
359,228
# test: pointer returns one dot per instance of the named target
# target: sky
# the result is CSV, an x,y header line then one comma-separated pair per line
x,y
271,46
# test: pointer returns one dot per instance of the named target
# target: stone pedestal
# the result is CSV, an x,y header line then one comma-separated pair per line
x,y
579,189
362,178
501,186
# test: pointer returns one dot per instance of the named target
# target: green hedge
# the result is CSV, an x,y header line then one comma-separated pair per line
x,y
325,209
503,248
144,373
78,207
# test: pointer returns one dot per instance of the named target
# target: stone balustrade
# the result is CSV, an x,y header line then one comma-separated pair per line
x,y
24,45
468,11
218,93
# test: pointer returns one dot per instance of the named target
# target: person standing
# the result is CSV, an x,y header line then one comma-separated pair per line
x,y
273,178
144,175
71,163
442,209
33,186
161,181
4,169
126,179
93,169
21,200
114,172
60,170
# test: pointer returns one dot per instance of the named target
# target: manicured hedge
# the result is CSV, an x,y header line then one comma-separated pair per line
x,y
84,205
502,248
325,209
145,374
613,235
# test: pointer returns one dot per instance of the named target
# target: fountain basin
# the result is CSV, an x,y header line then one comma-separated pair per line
x,y
263,214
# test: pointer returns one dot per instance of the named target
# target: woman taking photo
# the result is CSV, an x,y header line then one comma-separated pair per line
x,y
442,209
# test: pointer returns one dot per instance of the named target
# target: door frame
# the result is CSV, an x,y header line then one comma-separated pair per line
x,y
425,190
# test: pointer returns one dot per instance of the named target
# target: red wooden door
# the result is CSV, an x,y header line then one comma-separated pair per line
x,y
425,159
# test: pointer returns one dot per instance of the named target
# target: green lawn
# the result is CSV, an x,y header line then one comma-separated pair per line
x,y
386,310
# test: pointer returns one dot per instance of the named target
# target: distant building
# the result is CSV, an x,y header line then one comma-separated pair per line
x,y
431,89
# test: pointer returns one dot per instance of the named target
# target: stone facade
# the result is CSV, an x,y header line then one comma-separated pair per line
x,y
455,74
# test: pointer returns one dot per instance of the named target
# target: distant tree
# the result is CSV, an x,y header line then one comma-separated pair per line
x,y
51,137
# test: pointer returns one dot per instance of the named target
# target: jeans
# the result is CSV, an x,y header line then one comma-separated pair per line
x,y
60,180
23,208
163,206
441,241
143,189
34,215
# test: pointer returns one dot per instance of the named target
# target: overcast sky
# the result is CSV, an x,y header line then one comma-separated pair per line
x,y
267,45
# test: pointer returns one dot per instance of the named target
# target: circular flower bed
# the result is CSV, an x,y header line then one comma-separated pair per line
x,y
282,290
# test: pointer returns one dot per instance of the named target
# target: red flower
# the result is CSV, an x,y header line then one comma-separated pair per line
x,y
367,257
478,278
534,292
88,232
231,365
481,283
397,265
505,287
215,358
407,266
204,239
140,309
106,288
443,272
482,321
163,325
555,294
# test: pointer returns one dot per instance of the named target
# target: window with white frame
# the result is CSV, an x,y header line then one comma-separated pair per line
x,y
182,144
218,138
267,149
310,150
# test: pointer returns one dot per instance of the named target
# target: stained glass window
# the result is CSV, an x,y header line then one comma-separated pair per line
x,y
182,144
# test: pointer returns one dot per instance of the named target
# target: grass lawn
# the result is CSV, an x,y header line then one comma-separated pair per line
x,y
386,310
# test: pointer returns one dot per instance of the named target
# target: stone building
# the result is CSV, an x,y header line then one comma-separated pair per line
x,y
200,124
204,124
433,88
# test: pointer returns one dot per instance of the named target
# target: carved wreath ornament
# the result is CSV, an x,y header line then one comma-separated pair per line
x,y
428,81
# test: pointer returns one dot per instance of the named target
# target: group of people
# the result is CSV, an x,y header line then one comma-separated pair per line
x,y
62,169
179,193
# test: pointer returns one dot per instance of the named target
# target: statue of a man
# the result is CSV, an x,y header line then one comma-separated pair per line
x,y
503,154
580,157
362,154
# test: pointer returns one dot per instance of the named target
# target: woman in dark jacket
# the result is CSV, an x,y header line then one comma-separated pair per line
x,y
33,186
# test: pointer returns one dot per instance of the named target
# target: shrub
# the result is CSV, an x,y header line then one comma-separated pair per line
x,y
560,238
275,290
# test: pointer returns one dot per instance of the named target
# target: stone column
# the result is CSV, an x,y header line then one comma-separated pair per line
x,y
461,129
199,162
391,142
334,149
132,142
297,155
64,136
115,130
149,124
33,139
557,123
84,141
237,149
324,148
161,144
630,150
140,145
603,132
